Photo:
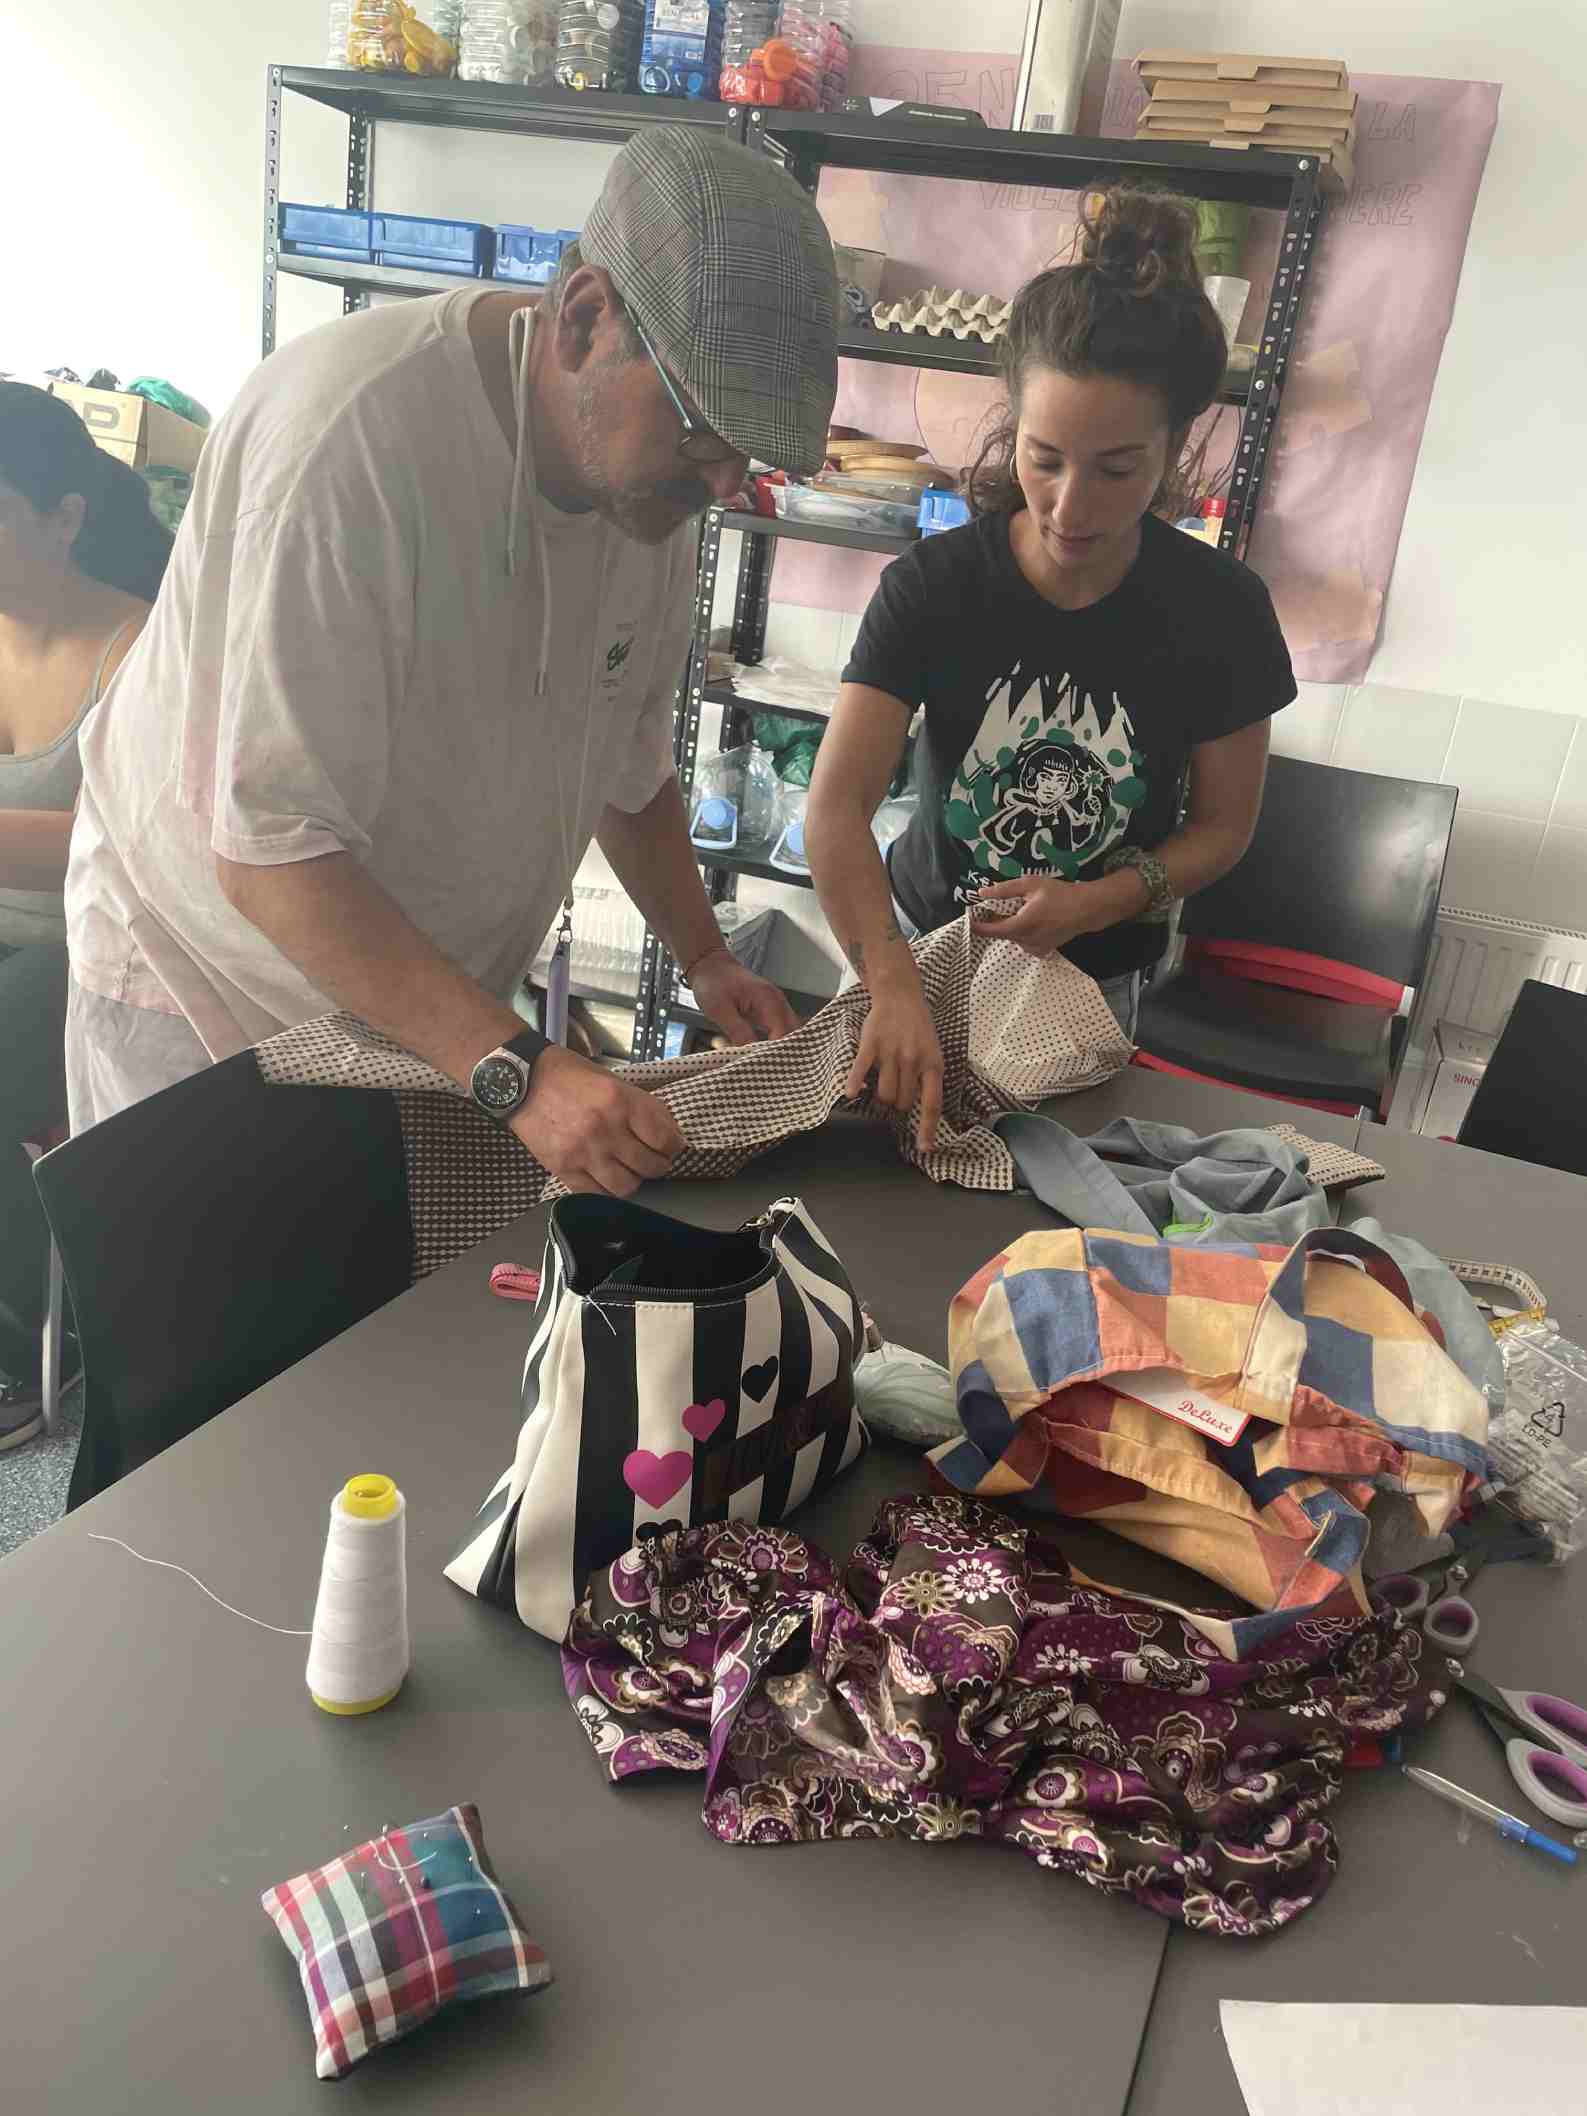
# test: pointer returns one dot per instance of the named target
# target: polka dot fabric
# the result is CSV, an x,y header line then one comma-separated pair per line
x,y
1013,1030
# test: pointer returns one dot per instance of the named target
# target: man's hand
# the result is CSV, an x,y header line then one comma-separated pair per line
x,y
593,1131
743,1006
1052,913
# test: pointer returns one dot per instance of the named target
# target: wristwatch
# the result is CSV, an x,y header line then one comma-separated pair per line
x,y
500,1082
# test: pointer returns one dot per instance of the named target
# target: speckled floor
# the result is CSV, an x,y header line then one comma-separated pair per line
x,y
34,1477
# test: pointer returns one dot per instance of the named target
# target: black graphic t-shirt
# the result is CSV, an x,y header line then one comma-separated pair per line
x,y
1052,736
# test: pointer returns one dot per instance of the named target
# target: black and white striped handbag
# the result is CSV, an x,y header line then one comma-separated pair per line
x,y
675,1375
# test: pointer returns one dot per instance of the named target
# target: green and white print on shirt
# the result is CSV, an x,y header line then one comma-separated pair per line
x,y
1050,783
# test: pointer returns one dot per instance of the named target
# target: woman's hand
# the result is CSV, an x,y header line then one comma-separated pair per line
x,y
1047,913
899,1047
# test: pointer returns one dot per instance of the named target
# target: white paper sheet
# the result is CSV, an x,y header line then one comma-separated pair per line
x,y
1406,2060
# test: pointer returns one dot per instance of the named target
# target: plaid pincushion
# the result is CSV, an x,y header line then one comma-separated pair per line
x,y
407,1924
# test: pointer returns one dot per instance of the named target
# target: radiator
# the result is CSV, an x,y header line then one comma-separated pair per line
x,y
1479,964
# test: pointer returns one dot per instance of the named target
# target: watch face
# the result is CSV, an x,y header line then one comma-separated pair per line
x,y
498,1084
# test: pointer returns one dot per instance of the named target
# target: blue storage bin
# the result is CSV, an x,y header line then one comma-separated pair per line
x,y
460,246
326,231
942,510
531,255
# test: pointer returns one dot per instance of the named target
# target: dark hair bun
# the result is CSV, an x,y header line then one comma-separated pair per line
x,y
1140,242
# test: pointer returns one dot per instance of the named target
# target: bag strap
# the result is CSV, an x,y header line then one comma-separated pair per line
x,y
1067,1176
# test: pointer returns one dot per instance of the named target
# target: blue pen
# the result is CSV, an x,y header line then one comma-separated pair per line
x,y
1510,1826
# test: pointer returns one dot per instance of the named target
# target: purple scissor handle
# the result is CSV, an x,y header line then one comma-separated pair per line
x,y
1550,1768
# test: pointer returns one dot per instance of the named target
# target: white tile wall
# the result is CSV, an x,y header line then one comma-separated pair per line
x,y
1570,803
1309,727
1560,879
1507,758
1405,734
1491,863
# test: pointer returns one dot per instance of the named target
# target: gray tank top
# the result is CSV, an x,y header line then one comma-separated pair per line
x,y
49,778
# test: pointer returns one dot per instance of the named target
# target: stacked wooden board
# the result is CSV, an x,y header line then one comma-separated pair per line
x,y
1241,100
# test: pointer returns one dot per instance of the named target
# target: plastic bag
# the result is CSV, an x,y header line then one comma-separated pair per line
x,y
907,1396
1538,1443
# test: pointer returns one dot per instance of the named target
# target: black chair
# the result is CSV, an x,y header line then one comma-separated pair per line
x,y
1529,1103
212,1236
1301,966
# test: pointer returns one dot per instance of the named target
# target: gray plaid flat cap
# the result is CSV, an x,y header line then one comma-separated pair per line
x,y
727,264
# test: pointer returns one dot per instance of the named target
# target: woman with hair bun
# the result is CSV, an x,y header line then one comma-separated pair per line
x,y
81,556
1080,663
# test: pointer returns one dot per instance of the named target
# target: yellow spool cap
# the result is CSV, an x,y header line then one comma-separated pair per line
x,y
369,1498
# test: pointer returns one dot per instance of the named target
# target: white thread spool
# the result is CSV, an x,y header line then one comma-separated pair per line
x,y
358,1650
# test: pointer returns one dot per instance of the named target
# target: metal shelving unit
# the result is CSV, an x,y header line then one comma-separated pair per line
x,y
806,143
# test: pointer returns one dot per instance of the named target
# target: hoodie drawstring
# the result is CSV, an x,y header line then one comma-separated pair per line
x,y
524,495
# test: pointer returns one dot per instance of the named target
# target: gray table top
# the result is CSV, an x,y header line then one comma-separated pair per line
x,y
1484,1207
1425,1909
165,1765
170,1767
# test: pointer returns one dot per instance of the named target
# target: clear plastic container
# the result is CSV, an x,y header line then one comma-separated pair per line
x,y
799,503
681,50
509,40
338,23
821,32
748,75
598,44
405,36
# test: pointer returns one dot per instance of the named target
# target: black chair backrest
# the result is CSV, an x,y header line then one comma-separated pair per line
x,y
1344,865
212,1236
1529,1103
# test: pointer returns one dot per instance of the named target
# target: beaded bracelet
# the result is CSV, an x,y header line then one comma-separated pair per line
x,y
1159,889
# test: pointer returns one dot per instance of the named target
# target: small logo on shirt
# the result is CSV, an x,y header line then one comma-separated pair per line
x,y
617,653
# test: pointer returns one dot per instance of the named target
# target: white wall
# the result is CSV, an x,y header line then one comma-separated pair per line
x,y
1482,669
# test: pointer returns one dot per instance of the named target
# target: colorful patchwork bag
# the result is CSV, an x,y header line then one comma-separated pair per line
x,y
1236,1407
676,1376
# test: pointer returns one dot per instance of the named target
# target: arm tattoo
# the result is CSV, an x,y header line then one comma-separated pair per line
x,y
855,949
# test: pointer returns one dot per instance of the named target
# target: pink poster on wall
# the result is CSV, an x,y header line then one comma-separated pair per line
x,y
1376,312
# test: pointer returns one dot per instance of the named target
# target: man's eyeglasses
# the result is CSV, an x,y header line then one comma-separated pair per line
x,y
697,443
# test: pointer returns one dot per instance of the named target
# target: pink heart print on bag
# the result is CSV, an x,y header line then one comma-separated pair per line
x,y
701,1420
657,1478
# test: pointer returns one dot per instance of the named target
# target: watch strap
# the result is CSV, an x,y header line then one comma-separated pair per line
x,y
527,1044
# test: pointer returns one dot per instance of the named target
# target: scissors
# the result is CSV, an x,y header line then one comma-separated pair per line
x,y
1448,1620
1550,1767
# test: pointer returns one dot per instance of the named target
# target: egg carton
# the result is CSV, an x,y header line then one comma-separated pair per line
x,y
945,313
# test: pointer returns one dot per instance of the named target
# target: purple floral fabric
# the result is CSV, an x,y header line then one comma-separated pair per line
x,y
958,1680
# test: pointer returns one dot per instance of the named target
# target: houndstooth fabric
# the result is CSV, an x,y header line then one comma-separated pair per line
x,y
1012,1030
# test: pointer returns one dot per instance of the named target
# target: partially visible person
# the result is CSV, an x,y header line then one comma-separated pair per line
x,y
420,642
81,556
1082,665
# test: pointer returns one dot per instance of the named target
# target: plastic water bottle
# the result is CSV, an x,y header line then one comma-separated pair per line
x,y
746,27
598,44
821,33
682,50
508,40
340,21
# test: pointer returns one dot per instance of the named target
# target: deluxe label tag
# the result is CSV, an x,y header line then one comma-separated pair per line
x,y
1161,1389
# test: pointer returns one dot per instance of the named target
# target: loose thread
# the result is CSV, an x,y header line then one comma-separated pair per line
x,y
166,1566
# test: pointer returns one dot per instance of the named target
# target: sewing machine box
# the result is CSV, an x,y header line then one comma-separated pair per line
x,y
1063,66
133,429
1459,1060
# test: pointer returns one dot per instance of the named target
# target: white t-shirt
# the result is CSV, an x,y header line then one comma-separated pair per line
x,y
339,661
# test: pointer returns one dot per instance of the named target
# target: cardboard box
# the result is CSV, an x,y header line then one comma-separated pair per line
x,y
1063,66
1153,66
1459,1060
1336,169
1252,95
132,429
